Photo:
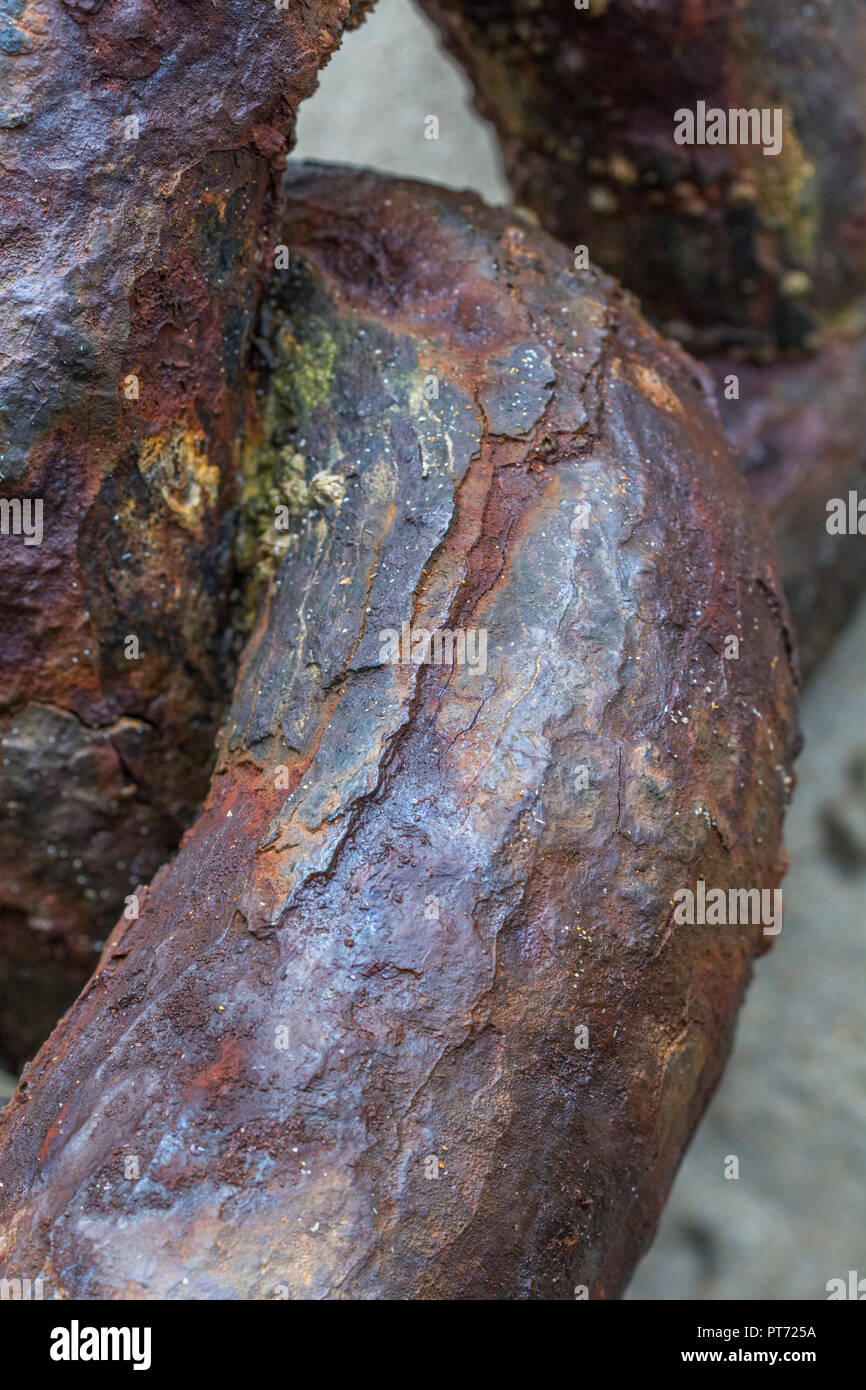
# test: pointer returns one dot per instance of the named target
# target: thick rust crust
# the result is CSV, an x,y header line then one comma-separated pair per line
x,y
140,144
411,885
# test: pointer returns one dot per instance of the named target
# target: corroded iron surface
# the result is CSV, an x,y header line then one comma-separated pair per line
x,y
140,145
729,246
413,885
744,256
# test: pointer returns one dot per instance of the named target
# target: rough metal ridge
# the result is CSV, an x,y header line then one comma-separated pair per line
x,y
400,901
140,146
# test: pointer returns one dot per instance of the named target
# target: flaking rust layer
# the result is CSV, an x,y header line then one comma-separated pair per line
x,y
412,884
140,145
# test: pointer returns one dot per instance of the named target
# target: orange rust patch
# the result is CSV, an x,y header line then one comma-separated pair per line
x,y
651,385
222,1074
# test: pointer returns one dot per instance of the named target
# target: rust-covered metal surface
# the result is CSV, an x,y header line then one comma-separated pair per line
x,y
140,145
412,885
757,261
724,244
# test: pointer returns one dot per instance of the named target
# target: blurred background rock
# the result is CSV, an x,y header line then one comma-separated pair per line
x,y
792,1105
